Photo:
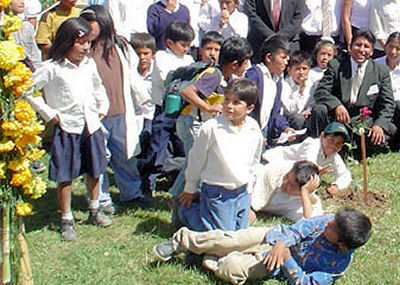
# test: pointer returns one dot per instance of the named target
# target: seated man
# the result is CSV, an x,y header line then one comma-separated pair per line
x,y
313,251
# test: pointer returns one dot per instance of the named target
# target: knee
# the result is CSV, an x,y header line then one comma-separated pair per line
x,y
320,110
230,269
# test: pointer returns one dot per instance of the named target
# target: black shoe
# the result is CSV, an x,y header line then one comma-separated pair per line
x,y
140,202
164,251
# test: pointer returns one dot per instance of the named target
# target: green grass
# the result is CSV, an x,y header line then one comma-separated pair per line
x,y
122,253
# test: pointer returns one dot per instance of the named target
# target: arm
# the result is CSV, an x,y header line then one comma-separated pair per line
x,y
293,25
346,24
238,24
305,192
376,25
341,173
99,93
153,21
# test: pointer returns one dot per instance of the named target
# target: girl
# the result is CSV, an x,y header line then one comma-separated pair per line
x,y
75,101
117,64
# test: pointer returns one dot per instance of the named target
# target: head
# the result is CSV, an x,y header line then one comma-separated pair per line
x,y
178,37
211,46
144,45
349,230
325,51
68,4
18,6
392,48
274,53
240,97
71,41
362,46
299,175
333,138
299,66
235,55
100,21
229,5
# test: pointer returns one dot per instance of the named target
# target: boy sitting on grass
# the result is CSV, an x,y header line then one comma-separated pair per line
x,y
317,250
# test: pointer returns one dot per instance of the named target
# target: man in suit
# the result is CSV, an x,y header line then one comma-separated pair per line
x,y
355,82
269,17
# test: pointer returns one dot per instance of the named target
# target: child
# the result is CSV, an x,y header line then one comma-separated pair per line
x,y
210,46
223,158
297,99
75,101
325,51
317,250
323,151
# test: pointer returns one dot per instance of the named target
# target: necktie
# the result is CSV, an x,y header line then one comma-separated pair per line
x,y
355,87
326,18
276,11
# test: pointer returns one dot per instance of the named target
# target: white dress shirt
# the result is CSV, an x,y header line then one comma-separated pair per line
x,y
292,101
237,25
394,76
312,17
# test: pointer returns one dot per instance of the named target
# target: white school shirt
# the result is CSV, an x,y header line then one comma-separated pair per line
x,y
312,17
311,149
394,76
224,156
292,101
237,26
165,61
149,108
360,13
74,93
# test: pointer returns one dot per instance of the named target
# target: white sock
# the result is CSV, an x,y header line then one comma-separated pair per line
x,y
94,204
67,216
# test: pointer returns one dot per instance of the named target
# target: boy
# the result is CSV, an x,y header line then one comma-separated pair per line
x,y
268,76
317,250
210,46
223,158
297,99
287,193
322,151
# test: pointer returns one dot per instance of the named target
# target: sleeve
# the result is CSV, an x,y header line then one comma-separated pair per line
x,y
341,173
288,102
256,161
153,22
43,35
238,25
293,25
32,49
207,12
384,106
255,22
207,83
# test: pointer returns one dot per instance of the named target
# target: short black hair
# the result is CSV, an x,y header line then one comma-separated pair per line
x,y
244,89
304,170
354,227
143,40
212,36
273,45
363,33
321,44
393,36
235,48
337,134
298,57
179,31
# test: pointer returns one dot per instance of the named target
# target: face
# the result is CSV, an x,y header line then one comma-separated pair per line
x,y
79,50
229,5
210,50
277,63
289,184
145,55
235,110
180,48
95,30
361,50
18,6
299,72
331,144
324,55
392,50
68,3
239,69
331,233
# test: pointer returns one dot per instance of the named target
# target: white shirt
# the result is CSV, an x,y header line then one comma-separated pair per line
x,y
394,76
223,155
148,109
165,61
311,149
32,8
360,13
237,26
312,17
74,93
294,102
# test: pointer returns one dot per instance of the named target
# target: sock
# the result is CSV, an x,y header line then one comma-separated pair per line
x,y
94,204
67,216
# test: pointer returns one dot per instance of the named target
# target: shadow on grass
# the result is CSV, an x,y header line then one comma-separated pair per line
x,y
155,226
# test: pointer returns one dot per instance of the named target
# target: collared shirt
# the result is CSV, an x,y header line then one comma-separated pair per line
x,y
394,76
292,100
312,17
223,155
176,7
314,260
74,93
148,109
237,25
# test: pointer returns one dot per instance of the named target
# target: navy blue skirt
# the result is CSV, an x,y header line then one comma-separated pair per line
x,y
73,155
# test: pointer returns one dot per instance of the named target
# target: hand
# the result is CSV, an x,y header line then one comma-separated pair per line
x,y
288,131
214,109
276,257
224,18
325,169
186,199
342,116
306,114
311,184
55,120
332,189
376,135
101,117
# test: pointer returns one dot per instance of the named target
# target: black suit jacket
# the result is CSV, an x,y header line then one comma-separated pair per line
x,y
261,24
375,92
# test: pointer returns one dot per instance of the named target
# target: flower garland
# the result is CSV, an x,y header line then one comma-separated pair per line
x,y
19,139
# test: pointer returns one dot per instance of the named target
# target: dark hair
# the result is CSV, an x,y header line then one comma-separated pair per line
x,y
321,44
179,31
143,40
337,134
235,48
273,45
212,36
244,89
393,36
363,34
67,34
354,227
304,170
298,57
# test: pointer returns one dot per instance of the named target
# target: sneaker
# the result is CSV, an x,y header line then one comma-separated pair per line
x,y
67,230
164,251
38,166
98,217
108,209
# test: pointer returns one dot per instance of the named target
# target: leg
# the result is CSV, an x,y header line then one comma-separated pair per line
x,y
64,196
318,121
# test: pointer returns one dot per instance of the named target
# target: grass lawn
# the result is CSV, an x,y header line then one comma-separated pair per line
x,y
122,253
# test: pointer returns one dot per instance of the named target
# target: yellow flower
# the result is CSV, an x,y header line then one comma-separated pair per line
x,y
11,23
19,79
7,146
26,138
10,54
19,165
4,4
35,189
21,178
23,209
34,154
23,111
3,169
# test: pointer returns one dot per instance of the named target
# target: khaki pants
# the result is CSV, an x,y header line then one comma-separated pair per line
x,y
239,251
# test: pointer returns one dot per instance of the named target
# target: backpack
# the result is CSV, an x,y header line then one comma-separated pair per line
x,y
179,79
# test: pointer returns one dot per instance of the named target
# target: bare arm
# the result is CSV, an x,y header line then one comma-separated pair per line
x,y
346,24
190,95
